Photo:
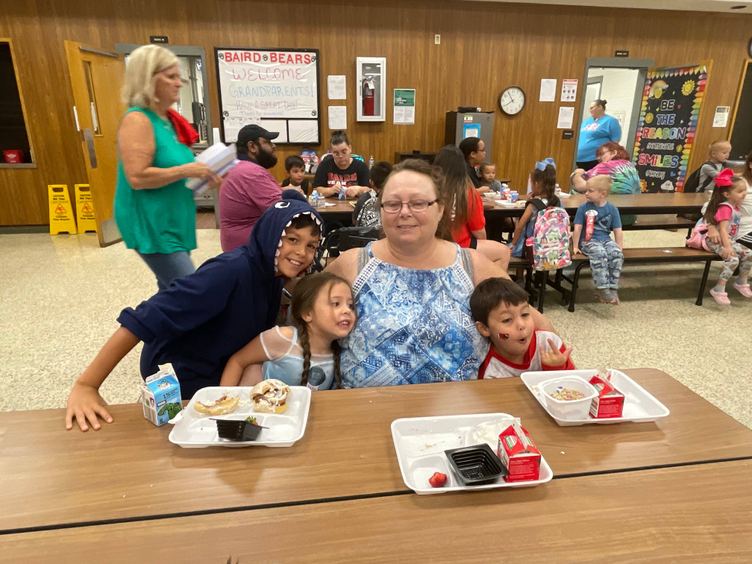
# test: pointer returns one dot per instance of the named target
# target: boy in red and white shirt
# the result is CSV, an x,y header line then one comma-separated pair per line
x,y
501,313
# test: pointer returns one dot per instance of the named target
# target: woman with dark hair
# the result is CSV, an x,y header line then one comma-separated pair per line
x,y
474,152
341,170
468,222
613,161
596,130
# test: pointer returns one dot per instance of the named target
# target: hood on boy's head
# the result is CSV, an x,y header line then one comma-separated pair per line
x,y
267,232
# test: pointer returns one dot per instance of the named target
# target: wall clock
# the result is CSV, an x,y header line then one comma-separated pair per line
x,y
512,100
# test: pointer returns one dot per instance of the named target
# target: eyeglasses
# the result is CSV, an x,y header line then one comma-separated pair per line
x,y
394,206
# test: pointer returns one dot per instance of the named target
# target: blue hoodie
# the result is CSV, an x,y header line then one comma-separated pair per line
x,y
201,320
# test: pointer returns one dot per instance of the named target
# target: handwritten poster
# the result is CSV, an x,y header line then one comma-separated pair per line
x,y
671,102
275,88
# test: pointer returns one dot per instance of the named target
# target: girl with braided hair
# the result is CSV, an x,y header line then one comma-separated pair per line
x,y
306,353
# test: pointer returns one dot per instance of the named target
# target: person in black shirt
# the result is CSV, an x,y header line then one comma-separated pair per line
x,y
296,179
474,151
341,170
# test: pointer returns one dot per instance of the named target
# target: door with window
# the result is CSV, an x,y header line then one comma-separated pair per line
x,y
96,78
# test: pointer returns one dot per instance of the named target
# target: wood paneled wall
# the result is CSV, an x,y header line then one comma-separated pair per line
x,y
484,47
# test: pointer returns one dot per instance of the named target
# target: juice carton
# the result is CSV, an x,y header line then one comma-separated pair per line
x,y
518,454
160,396
609,402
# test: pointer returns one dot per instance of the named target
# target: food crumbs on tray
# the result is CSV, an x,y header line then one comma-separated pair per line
x,y
562,452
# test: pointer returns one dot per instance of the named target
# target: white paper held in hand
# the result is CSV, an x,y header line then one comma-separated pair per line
x,y
220,158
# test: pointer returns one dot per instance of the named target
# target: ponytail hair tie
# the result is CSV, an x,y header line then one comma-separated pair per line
x,y
724,178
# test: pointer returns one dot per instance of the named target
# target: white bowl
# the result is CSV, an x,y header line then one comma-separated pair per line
x,y
568,409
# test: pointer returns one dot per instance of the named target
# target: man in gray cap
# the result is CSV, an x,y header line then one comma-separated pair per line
x,y
249,189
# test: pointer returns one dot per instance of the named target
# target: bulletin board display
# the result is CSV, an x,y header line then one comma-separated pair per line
x,y
671,103
277,89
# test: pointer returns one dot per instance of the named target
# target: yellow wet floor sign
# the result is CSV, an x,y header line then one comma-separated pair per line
x,y
61,212
85,209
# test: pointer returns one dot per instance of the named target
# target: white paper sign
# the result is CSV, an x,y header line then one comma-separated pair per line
x,y
548,90
569,90
566,117
337,117
267,84
336,86
404,106
720,118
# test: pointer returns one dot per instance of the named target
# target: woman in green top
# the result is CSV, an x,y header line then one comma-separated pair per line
x,y
154,210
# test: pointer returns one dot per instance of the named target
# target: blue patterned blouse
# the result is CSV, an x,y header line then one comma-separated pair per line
x,y
414,326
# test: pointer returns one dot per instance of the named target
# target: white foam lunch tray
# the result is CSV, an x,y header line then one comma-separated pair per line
x,y
196,430
640,406
420,443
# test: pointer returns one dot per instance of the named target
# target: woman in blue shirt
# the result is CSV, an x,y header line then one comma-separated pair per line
x,y
596,130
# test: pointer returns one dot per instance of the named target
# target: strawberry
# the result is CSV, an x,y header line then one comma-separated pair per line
x,y
438,480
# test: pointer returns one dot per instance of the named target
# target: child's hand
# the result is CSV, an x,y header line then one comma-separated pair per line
x,y
85,403
575,250
713,235
553,357
727,252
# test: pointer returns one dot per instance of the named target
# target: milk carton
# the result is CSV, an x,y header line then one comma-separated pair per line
x,y
609,402
160,396
518,454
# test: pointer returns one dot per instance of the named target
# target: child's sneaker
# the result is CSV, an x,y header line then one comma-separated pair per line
x,y
744,290
604,295
721,298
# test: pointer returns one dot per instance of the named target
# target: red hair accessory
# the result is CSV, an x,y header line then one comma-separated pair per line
x,y
724,178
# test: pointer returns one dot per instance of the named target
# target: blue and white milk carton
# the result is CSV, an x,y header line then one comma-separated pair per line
x,y
160,396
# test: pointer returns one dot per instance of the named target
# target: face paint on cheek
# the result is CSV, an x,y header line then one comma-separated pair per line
x,y
503,336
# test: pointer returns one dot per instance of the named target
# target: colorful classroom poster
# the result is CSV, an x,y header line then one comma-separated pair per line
x,y
671,102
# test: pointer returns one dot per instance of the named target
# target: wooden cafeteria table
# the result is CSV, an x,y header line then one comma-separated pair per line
x,y
671,514
51,478
636,204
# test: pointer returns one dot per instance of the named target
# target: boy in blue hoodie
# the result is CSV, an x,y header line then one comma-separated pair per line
x,y
200,320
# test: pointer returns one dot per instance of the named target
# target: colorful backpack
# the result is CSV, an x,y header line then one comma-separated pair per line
x,y
549,244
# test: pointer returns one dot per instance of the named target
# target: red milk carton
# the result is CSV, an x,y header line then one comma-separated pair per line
x,y
609,402
518,454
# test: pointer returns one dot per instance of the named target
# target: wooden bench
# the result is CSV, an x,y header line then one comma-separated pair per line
x,y
536,282
645,256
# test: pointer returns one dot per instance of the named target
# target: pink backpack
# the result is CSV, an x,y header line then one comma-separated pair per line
x,y
550,240
698,238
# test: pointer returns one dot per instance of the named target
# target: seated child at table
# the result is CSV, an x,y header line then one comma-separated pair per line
x,y
488,180
724,212
502,314
599,219
200,320
367,212
295,168
306,354
543,180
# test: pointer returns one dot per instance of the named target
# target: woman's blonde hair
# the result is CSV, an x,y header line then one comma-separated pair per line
x,y
143,64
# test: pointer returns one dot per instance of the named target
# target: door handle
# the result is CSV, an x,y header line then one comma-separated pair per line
x,y
89,139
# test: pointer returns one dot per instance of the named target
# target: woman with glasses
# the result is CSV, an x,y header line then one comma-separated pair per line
x,y
468,222
154,210
412,290
341,171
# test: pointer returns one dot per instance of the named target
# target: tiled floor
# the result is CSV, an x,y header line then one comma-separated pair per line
x,y
61,295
